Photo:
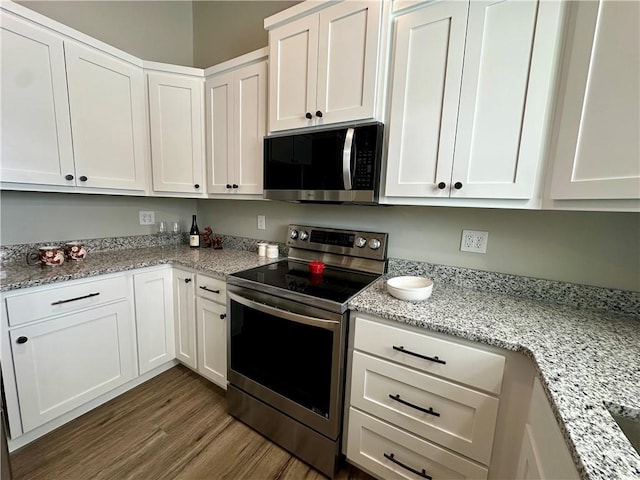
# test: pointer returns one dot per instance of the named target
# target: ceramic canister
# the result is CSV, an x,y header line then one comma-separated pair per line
x,y
75,250
51,255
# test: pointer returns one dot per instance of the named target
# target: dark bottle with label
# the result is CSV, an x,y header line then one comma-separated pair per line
x,y
194,234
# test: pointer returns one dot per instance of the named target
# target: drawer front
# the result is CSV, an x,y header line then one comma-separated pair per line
x,y
459,418
371,442
464,364
211,288
57,300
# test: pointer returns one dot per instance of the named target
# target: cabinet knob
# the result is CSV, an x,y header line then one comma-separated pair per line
x,y
228,185
223,316
308,115
187,280
319,114
83,178
442,185
68,177
457,185
197,185
22,340
235,185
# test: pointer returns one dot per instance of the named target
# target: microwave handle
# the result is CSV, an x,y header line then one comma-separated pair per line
x,y
346,158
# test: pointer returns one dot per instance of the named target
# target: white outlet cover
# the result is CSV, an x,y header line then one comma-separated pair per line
x,y
147,218
261,222
474,241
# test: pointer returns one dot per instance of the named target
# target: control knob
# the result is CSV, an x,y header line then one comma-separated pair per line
x,y
303,235
361,242
293,234
374,244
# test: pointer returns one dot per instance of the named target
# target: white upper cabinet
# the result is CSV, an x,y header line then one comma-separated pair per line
x,y
470,102
236,113
323,66
36,131
176,114
106,99
597,151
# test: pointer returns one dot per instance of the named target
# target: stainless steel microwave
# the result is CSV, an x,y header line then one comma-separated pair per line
x,y
332,165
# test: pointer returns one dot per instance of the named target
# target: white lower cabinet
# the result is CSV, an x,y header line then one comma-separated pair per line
x,y
64,362
184,317
154,318
212,340
420,405
544,454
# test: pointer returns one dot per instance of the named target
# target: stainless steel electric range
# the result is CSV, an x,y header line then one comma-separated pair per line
x,y
287,339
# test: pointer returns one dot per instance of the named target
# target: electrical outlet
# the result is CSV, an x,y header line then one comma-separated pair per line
x,y
474,241
262,222
147,218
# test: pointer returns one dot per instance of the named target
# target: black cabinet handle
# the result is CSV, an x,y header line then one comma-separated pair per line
x,y
457,185
429,410
235,185
22,340
308,115
424,357
319,114
422,473
68,177
223,316
60,302
209,290
83,178
228,185
197,185
442,185
187,280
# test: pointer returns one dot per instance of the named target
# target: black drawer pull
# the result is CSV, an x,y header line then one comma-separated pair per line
x,y
60,302
22,340
429,410
187,280
209,290
422,473
431,359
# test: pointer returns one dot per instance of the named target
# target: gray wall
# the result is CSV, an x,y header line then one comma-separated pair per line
x,y
160,31
227,29
41,217
593,248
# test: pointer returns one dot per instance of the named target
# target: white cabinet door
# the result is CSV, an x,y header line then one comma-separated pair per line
x,y
293,67
236,125
347,61
36,132
184,316
597,152
212,341
176,107
504,104
154,318
63,363
106,98
427,72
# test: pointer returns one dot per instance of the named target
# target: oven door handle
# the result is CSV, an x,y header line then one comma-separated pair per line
x,y
294,317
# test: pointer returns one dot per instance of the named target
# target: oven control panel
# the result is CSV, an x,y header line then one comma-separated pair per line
x,y
354,243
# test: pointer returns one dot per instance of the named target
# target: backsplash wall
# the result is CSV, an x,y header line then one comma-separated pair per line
x,y
592,248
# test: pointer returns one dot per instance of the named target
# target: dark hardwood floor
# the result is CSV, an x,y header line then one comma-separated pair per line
x,y
174,426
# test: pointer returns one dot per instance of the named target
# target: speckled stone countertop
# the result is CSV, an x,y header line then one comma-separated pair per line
x,y
216,263
588,360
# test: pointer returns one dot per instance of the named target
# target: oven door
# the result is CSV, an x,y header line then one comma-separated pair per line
x,y
288,355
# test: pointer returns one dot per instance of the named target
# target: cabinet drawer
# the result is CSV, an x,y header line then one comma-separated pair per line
x,y
461,419
457,362
372,441
52,301
211,288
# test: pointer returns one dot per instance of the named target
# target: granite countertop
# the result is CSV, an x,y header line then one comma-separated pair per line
x,y
216,263
587,360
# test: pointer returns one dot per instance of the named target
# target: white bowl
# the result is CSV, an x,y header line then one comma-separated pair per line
x,y
410,288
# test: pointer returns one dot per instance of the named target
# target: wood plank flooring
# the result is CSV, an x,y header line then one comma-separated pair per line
x,y
175,426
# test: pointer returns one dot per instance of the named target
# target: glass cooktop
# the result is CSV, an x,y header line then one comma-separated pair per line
x,y
333,284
